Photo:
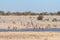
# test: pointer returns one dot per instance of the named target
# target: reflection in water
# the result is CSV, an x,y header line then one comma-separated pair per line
x,y
33,30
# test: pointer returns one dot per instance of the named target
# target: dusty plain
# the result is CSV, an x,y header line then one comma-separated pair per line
x,y
28,22
29,35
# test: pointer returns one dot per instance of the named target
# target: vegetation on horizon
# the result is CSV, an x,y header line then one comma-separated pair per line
x,y
28,13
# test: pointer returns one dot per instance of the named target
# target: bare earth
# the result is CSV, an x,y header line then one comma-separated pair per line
x,y
26,22
29,36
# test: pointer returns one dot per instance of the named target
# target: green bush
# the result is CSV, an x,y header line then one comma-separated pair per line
x,y
40,17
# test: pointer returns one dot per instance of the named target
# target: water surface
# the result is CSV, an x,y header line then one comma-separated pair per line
x,y
32,30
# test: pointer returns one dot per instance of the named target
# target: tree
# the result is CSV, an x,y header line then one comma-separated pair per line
x,y
8,13
44,13
51,13
58,13
2,13
40,17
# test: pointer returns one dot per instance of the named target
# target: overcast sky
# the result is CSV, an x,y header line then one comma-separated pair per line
x,y
30,5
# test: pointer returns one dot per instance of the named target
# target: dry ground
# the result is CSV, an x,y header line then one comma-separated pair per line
x,y
29,35
24,22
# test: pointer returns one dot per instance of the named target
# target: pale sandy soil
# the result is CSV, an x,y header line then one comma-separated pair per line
x,y
23,22
29,36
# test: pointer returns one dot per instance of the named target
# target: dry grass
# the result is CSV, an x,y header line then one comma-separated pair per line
x,y
23,22
29,36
